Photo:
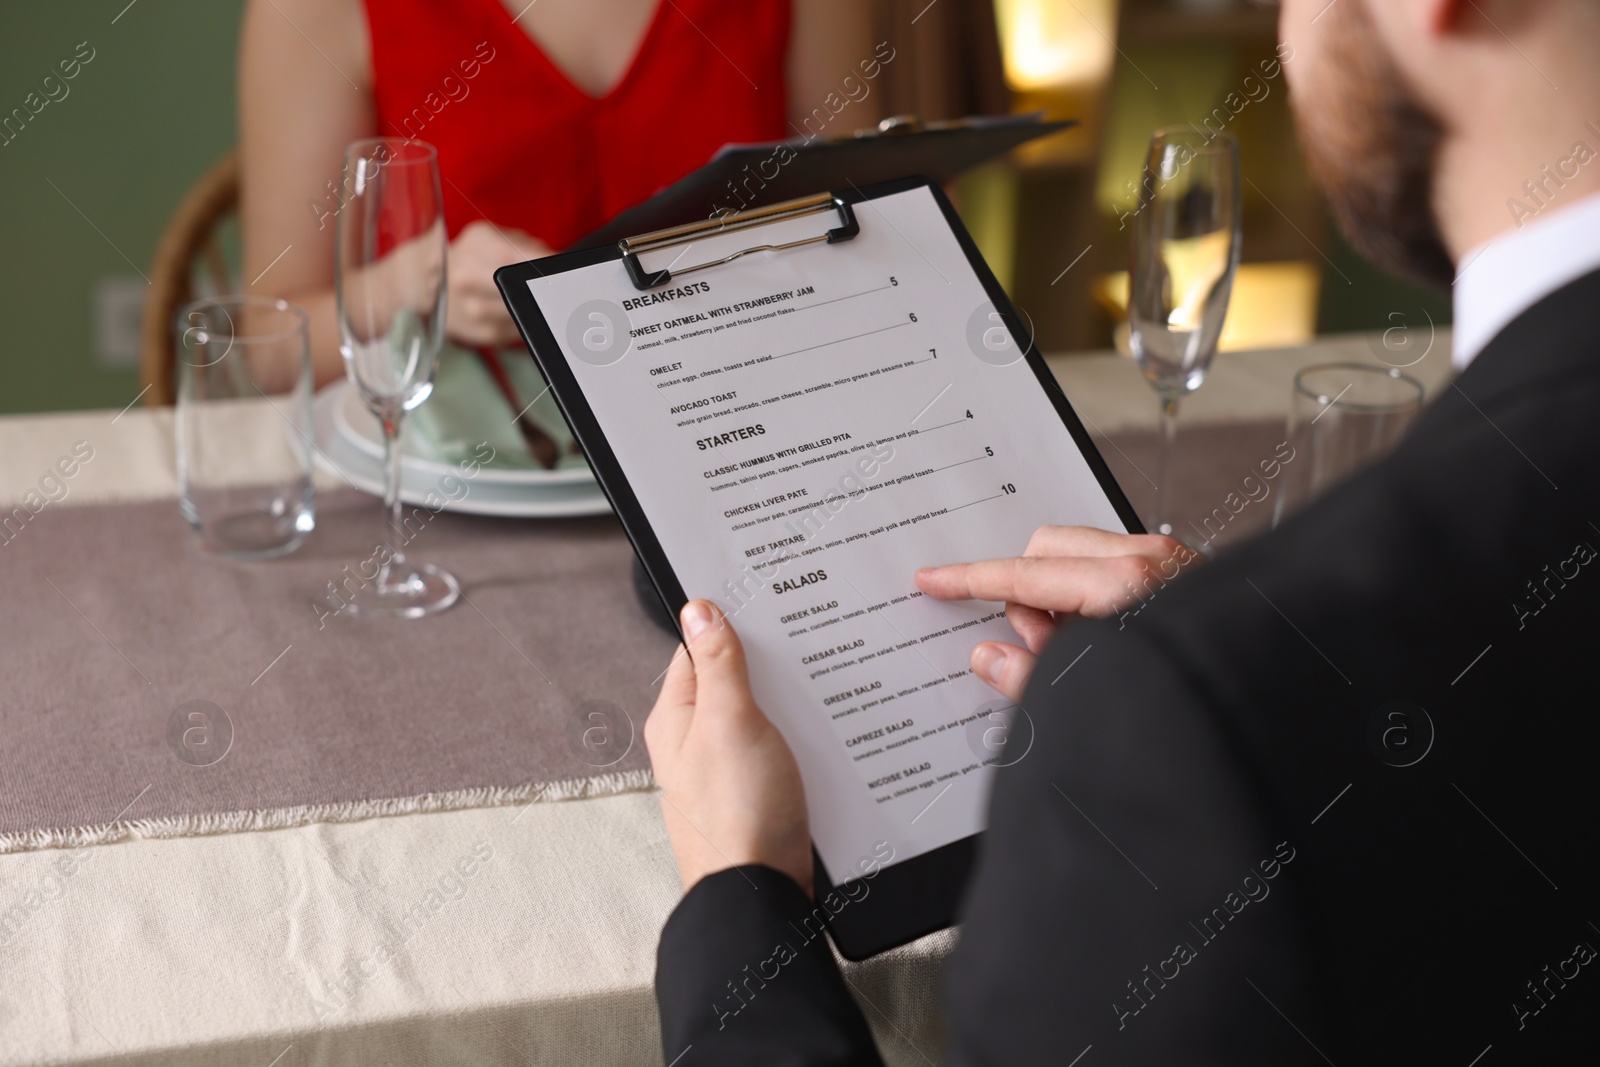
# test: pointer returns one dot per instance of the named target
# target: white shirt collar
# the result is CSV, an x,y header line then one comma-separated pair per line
x,y
1503,278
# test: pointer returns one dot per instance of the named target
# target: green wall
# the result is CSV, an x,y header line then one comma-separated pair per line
x,y
1375,299
140,122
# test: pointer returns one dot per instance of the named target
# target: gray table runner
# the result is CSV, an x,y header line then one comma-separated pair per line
x,y
1211,499
119,632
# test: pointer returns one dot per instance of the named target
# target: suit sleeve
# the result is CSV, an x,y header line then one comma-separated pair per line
x,y
739,981
1130,903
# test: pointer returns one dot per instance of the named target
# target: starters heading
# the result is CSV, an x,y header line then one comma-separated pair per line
x,y
743,433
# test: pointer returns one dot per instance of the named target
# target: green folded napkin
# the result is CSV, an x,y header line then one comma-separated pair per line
x,y
467,408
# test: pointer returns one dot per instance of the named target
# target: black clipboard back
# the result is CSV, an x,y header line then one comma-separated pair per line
x,y
908,898
744,176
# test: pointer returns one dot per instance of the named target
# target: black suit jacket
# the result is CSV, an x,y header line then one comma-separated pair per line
x,y
1329,799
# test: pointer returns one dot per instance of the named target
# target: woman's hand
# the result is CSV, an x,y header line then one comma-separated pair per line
x,y
730,789
475,315
1066,572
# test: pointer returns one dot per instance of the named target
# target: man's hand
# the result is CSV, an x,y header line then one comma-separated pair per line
x,y
1066,572
730,789
474,311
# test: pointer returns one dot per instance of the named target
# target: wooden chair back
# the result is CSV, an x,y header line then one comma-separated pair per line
x,y
190,235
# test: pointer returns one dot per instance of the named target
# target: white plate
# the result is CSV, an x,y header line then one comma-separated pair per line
x,y
359,427
352,465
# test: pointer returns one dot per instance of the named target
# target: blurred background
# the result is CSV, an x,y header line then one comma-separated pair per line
x,y
90,181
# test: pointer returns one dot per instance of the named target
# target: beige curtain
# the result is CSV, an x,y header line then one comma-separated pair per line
x,y
947,58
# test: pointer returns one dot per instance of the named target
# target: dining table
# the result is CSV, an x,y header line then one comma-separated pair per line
x,y
238,827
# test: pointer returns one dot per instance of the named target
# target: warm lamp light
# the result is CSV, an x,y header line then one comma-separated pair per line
x,y
1274,305
1052,44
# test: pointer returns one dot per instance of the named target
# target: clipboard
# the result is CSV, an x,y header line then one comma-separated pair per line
x,y
746,176
900,899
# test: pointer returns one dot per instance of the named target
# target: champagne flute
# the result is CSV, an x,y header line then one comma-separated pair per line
x,y
1185,255
389,270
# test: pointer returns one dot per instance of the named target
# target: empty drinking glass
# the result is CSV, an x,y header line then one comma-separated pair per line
x,y
244,424
1343,417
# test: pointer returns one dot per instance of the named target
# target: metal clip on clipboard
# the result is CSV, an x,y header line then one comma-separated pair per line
x,y
632,247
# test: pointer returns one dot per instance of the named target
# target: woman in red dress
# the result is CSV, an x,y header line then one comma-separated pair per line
x,y
550,117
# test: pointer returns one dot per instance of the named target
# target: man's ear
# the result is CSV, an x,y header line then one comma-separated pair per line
x,y
1443,16
1403,22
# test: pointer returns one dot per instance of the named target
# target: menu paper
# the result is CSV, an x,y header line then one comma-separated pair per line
x,y
804,429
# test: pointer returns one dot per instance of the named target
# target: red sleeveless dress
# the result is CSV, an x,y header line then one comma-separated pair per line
x,y
522,146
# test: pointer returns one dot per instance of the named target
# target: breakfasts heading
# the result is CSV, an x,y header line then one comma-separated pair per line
x,y
663,295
